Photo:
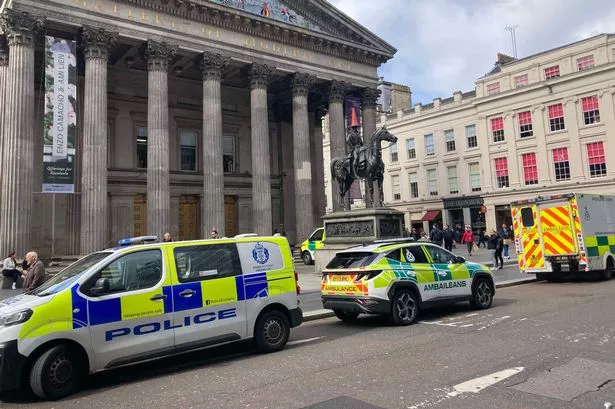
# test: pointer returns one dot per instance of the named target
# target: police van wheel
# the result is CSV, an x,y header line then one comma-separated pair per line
x,y
346,316
482,294
607,273
405,307
307,258
272,331
56,374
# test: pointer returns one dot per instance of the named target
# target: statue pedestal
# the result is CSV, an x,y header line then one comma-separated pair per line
x,y
356,227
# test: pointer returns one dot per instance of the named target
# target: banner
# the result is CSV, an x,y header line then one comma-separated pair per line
x,y
353,112
60,120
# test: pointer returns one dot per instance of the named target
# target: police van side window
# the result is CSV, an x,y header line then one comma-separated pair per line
x,y
198,263
132,272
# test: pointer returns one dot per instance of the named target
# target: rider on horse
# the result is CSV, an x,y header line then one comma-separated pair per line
x,y
354,141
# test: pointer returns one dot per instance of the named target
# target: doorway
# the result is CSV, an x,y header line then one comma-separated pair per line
x,y
188,218
230,215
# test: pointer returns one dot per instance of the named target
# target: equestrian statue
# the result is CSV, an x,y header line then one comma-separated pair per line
x,y
363,162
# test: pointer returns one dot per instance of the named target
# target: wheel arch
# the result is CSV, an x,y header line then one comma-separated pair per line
x,y
271,307
405,285
485,275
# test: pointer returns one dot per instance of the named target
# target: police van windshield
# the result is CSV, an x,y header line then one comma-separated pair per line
x,y
70,274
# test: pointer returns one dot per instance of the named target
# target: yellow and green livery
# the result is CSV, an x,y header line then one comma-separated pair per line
x,y
312,244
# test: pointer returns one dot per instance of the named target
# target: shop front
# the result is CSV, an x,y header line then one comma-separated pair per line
x,y
464,211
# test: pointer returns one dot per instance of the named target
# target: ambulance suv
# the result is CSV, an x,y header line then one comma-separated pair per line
x,y
143,301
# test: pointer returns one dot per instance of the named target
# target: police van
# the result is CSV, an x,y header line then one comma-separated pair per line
x,y
143,301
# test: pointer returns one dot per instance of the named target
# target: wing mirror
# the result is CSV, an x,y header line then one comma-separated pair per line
x,y
101,287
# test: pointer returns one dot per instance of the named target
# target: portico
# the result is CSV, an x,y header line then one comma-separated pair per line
x,y
191,115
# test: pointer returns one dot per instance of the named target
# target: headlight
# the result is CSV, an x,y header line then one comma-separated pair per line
x,y
15,318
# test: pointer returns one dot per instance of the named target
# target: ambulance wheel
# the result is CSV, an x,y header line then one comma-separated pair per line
x,y
271,331
482,294
307,258
346,316
607,273
56,374
405,307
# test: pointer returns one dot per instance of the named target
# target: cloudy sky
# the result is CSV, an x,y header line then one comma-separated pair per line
x,y
445,45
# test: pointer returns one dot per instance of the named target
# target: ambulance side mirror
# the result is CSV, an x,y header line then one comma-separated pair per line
x,y
101,287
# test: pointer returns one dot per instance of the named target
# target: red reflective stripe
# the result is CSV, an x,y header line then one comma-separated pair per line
x,y
497,124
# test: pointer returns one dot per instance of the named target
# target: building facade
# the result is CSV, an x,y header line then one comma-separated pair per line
x,y
536,126
191,115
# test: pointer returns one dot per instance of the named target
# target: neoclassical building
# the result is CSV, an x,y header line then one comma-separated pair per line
x,y
190,115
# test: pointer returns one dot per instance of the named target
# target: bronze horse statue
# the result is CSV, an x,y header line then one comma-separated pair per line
x,y
370,167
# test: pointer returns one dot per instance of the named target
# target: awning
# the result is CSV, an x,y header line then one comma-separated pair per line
x,y
431,215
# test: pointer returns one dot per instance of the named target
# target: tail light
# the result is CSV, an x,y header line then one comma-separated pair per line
x,y
368,275
297,283
580,241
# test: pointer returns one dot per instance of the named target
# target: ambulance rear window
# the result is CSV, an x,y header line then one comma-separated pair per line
x,y
527,217
352,260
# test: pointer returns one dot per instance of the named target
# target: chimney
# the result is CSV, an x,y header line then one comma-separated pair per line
x,y
417,108
457,96
437,102
504,59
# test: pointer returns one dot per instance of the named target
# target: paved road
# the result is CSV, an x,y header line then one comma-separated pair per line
x,y
541,346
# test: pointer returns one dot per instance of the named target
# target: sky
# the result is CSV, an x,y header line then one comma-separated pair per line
x,y
444,46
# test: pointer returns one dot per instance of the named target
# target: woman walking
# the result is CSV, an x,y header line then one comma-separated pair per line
x,y
492,245
499,246
9,269
468,239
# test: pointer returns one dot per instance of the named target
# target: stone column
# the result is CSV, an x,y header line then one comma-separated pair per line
x,y
213,66
260,74
18,132
94,201
337,134
370,99
304,211
4,67
157,55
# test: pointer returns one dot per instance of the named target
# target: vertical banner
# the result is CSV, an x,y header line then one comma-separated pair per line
x,y
353,112
60,120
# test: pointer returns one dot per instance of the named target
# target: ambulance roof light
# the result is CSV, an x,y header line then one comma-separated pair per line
x,y
132,241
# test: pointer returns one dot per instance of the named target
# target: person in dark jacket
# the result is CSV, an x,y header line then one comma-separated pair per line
x,y
449,237
437,235
495,245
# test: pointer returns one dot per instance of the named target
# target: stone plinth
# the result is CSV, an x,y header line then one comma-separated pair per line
x,y
356,227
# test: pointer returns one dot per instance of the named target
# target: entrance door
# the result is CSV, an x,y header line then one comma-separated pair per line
x,y
230,215
188,218
140,216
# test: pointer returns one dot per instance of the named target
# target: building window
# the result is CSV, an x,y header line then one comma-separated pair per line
x,y
475,177
596,159
396,187
552,72
410,148
525,124
530,169
228,154
430,149
453,187
497,129
585,63
141,147
188,150
521,81
501,172
493,89
471,136
449,135
394,153
562,166
591,113
414,185
432,182
556,118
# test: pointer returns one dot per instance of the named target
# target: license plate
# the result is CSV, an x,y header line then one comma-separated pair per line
x,y
334,278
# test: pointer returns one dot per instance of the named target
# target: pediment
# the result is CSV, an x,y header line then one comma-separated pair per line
x,y
318,16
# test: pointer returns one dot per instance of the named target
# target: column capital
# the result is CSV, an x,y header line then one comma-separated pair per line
x,y
213,65
97,42
338,91
158,54
370,97
21,28
260,75
301,83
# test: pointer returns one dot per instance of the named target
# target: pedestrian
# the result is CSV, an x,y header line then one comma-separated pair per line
x,y
482,238
437,235
415,233
449,236
214,234
505,234
492,245
498,253
9,269
468,239
35,276
166,238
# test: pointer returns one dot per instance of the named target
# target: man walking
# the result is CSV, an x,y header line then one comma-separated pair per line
x,y
437,235
35,276
449,237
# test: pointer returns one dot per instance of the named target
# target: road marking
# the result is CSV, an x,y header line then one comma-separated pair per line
x,y
303,341
494,322
478,384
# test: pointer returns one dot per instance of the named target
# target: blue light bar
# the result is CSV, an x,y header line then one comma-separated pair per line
x,y
133,241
